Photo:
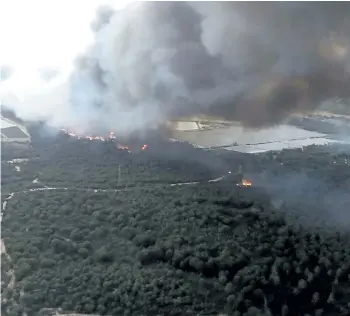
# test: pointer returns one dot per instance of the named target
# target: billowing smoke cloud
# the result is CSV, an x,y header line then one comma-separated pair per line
x,y
6,71
252,62
48,73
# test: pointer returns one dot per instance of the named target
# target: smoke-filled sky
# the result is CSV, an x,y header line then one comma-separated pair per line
x,y
255,62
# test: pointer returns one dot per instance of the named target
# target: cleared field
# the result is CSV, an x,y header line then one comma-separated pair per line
x,y
13,132
287,144
238,135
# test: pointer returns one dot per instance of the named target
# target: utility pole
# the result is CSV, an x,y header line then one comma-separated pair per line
x,y
240,173
119,172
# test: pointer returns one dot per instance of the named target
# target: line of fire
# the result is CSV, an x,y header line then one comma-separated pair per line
x,y
234,177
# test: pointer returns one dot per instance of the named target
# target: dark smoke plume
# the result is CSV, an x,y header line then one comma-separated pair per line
x,y
255,62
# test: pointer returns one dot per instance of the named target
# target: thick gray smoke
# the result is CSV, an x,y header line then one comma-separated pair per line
x,y
6,71
252,62
48,73
313,200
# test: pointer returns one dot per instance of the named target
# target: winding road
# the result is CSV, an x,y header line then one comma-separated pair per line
x,y
95,190
46,188
10,272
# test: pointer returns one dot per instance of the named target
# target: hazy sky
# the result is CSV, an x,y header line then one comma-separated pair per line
x,y
39,33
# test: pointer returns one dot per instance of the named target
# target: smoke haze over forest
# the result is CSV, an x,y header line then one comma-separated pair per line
x,y
252,62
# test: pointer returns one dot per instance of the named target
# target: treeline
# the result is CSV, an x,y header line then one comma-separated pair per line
x,y
64,161
200,249
153,248
68,162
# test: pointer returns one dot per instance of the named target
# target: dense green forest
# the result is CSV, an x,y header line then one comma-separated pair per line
x,y
151,245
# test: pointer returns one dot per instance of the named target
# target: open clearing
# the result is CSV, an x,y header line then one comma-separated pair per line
x,y
238,138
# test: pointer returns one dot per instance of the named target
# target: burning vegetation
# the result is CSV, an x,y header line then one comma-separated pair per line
x,y
109,137
202,248
245,183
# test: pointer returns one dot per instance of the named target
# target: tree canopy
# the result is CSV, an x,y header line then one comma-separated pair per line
x,y
148,246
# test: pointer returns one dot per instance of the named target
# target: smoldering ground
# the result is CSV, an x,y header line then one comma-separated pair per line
x,y
252,62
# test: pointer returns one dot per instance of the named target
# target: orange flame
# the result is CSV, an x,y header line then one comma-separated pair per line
x,y
245,183
144,147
